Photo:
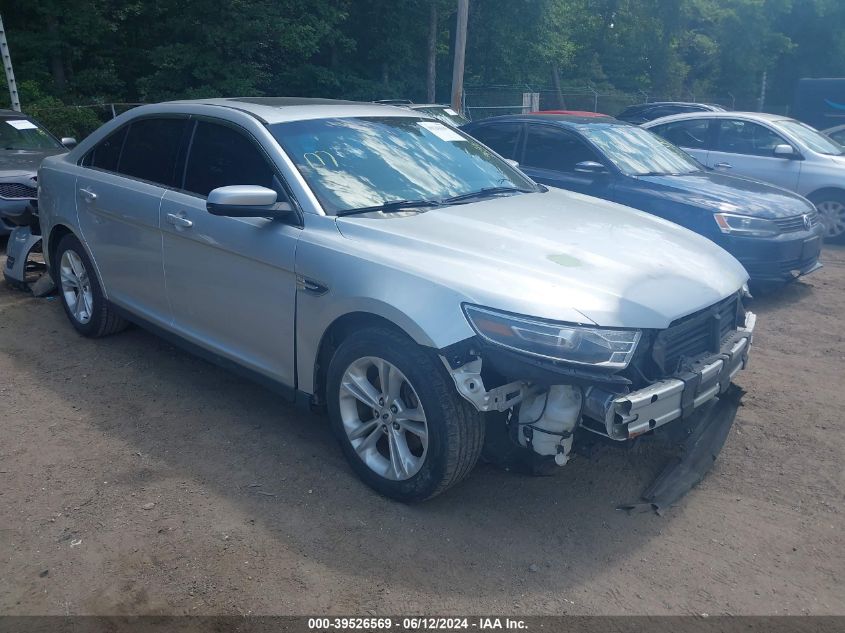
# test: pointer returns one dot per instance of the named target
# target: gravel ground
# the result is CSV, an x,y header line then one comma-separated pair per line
x,y
136,479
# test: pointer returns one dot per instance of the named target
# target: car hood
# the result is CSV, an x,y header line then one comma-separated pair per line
x,y
18,162
556,255
733,194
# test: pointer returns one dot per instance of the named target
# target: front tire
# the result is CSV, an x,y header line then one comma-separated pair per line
x,y
831,209
399,420
80,291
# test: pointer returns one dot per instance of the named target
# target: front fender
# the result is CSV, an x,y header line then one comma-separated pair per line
x,y
427,311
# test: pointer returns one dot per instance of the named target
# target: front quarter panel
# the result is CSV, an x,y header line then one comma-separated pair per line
x,y
666,203
362,282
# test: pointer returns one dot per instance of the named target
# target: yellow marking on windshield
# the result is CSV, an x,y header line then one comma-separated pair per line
x,y
318,158
562,259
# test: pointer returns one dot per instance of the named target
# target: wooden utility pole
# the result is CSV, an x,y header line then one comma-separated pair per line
x,y
431,78
7,66
460,55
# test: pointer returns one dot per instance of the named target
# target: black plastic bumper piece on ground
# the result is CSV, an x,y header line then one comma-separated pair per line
x,y
707,431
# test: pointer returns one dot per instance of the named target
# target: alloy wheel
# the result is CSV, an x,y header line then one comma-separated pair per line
x,y
832,216
76,287
383,418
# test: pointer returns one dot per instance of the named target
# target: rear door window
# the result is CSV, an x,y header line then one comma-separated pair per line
x,y
221,156
151,150
501,138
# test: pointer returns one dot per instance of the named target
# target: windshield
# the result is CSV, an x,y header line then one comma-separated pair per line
x,y
354,163
21,133
638,152
812,138
442,113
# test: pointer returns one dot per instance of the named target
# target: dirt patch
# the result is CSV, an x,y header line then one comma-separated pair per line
x,y
137,479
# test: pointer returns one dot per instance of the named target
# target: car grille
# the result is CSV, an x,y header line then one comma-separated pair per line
x,y
17,191
796,223
766,269
695,335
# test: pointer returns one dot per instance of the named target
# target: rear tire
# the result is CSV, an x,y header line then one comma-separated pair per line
x,y
82,297
831,209
436,445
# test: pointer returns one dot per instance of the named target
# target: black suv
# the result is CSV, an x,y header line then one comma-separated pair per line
x,y
650,111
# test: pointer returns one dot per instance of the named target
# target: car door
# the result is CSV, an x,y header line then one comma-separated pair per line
x,y
746,148
118,198
551,154
230,281
691,135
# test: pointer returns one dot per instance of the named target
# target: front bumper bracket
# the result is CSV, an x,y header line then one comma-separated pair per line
x,y
627,416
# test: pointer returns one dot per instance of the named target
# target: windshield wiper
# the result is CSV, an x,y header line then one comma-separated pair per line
x,y
486,192
392,205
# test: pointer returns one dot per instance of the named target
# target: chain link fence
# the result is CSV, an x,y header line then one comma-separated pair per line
x,y
485,101
479,102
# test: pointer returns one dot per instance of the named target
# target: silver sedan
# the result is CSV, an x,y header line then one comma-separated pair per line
x,y
393,271
767,147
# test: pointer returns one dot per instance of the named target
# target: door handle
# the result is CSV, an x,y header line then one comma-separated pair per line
x,y
179,220
87,195
723,166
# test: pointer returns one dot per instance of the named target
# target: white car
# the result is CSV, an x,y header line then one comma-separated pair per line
x,y
767,147
396,272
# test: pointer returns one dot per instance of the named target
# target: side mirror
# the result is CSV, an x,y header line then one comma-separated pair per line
x,y
245,201
785,151
590,167
512,162
69,142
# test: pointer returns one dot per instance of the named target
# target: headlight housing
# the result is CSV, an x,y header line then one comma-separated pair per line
x,y
735,224
576,344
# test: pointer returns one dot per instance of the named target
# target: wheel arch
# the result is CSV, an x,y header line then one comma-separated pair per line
x,y
819,194
59,231
338,331
55,236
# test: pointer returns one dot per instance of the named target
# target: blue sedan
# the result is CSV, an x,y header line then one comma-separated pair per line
x,y
773,232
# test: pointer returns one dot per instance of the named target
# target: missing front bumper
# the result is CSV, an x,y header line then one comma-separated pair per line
x,y
704,436
623,417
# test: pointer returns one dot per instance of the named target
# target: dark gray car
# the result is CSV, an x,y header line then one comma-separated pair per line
x,y
23,145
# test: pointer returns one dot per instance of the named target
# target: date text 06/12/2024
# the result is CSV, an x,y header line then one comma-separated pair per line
x,y
415,624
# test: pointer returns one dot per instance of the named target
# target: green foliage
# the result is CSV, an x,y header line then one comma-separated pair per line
x,y
55,115
101,51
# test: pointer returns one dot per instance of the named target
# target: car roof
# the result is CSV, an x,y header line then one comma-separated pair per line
x,y
749,116
417,106
12,113
283,109
651,104
574,113
567,120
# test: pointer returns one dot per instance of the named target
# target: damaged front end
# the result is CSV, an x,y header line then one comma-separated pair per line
x,y
644,380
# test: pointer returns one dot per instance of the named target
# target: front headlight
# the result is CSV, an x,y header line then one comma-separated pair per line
x,y
577,344
745,225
